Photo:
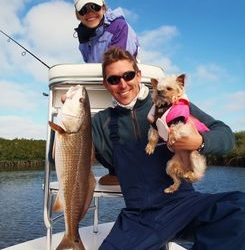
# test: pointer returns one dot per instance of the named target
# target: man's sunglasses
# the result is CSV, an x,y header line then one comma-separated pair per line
x,y
127,76
91,6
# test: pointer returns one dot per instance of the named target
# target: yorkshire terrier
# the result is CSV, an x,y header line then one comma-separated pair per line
x,y
171,112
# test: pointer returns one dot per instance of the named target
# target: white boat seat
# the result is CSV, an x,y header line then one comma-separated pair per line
x,y
99,191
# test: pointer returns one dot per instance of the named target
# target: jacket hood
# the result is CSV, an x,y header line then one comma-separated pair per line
x,y
111,15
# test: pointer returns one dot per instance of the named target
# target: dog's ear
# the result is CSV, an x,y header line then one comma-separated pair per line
x,y
181,79
154,83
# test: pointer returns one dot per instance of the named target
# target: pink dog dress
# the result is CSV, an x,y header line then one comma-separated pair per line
x,y
181,109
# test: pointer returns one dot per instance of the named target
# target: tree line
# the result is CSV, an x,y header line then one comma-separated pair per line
x,y
236,157
22,154
22,149
18,150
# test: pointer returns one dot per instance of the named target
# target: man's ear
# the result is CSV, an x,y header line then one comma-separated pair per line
x,y
181,79
105,83
138,75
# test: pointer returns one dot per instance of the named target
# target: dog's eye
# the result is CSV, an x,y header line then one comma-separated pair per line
x,y
169,88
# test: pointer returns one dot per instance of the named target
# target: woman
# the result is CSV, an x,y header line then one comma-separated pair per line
x,y
101,28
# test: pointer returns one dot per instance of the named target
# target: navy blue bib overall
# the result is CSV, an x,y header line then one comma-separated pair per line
x,y
151,217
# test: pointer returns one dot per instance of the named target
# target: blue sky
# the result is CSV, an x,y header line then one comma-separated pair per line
x,y
204,39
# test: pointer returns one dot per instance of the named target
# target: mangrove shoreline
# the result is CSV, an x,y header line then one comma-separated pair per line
x,y
22,165
29,154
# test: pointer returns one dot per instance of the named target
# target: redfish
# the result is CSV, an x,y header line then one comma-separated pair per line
x,y
72,154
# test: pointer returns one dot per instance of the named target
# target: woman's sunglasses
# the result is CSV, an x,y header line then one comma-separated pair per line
x,y
91,6
127,76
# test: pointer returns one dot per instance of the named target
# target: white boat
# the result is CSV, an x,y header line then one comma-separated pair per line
x,y
61,77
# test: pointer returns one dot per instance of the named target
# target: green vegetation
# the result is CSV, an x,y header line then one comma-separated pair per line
x,y
22,149
23,152
236,157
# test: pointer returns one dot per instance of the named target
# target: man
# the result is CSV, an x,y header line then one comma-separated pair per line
x,y
151,217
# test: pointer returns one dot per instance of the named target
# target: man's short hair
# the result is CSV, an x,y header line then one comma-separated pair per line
x,y
115,54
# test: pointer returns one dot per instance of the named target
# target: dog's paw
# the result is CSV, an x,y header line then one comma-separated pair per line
x,y
179,172
171,189
149,149
190,177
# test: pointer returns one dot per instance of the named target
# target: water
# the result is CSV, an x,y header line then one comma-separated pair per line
x,y
21,201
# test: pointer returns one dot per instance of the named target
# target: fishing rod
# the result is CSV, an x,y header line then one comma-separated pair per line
x,y
28,51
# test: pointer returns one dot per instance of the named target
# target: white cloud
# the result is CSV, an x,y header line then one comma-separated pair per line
x,y
158,59
10,24
49,29
229,108
131,16
46,30
15,96
210,73
21,127
157,38
8,15
155,47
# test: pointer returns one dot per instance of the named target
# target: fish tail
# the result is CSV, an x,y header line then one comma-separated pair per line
x,y
67,243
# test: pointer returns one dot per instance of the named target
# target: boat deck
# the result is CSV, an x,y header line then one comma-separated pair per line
x,y
91,240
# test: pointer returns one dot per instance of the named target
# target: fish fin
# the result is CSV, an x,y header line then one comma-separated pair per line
x,y
56,127
90,193
67,243
58,206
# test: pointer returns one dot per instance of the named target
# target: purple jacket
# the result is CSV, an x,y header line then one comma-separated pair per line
x,y
114,31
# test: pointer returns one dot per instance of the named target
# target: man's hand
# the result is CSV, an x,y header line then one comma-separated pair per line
x,y
63,98
191,141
